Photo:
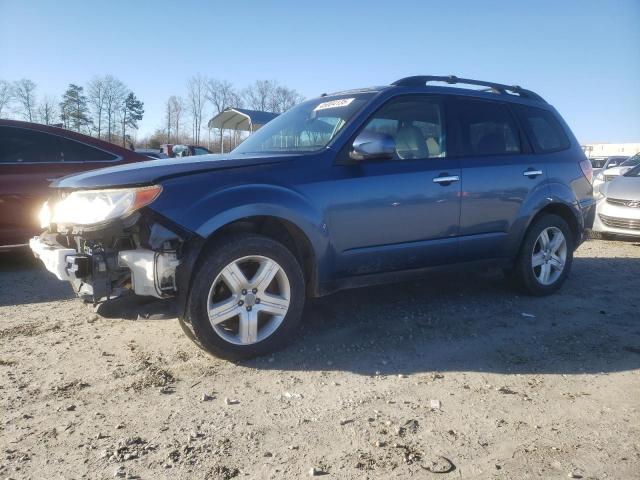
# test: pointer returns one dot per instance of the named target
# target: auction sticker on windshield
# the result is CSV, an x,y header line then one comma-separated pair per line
x,y
343,102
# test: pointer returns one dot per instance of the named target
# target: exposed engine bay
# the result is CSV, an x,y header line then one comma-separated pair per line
x,y
134,254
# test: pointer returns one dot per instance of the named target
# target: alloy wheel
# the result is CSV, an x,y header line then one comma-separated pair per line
x,y
549,256
249,300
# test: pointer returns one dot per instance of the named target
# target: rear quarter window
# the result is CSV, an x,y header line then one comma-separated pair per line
x,y
543,128
73,151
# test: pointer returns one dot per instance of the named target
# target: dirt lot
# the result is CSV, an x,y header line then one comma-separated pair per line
x,y
458,374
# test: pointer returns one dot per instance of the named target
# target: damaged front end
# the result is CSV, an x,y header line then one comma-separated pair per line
x,y
137,252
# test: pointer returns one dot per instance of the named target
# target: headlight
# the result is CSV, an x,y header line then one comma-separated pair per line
x,y
90,207
45,215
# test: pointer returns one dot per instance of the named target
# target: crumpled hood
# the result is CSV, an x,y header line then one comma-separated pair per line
x,y
154,171
623,188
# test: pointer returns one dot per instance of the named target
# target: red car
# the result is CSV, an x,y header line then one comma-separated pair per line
x,y
31,157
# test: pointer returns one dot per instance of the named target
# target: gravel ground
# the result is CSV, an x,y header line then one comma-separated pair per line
x,y
459,375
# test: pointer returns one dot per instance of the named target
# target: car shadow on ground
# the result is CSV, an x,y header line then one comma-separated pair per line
x,y
24,280
475,322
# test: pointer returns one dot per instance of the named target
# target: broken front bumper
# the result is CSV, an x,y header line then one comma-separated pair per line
x,y
54,257
104,275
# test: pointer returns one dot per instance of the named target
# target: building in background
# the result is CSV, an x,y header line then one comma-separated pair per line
x,y
610,149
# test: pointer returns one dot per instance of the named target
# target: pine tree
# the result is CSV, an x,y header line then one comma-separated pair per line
x,y
132,113
74,111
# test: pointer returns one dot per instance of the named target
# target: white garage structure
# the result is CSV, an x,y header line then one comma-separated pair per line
x,y
239,120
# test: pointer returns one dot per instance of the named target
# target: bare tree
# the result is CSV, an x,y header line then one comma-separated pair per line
x,y
25,93
283,98
268,95
96,93
257,95
48,110
168,117
196,87
114,94
222,95
177,105
6,95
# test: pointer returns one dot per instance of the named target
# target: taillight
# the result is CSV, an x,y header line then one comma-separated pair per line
x,y
587,169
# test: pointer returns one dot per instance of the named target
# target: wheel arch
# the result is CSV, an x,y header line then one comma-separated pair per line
x,y
279,229
563,210
551,198
274,211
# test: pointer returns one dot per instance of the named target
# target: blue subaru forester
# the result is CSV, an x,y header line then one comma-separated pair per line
x,y
349,189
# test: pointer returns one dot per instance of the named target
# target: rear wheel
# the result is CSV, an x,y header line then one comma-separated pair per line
x,y
246,297
545,256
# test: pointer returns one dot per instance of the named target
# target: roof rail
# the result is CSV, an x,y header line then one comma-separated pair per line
x,y
421,80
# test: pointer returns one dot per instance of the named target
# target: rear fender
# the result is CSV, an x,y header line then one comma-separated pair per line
x,y
549,194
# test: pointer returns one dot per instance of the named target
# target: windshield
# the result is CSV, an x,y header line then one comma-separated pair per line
x,y
634,172
632,162
307,127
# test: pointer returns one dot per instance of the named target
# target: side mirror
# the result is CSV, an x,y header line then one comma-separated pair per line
x,y
612,164
373,146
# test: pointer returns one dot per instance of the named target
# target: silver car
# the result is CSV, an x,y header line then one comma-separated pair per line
x,y
600,164
618,208
607,174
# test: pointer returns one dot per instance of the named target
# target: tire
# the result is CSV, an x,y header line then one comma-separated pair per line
x,y
230,313
534,279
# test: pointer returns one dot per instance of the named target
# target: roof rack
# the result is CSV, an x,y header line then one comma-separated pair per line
x,y
421,80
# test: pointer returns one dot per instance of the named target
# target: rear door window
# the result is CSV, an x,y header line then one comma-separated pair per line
x,y
543,128
486,128
21,145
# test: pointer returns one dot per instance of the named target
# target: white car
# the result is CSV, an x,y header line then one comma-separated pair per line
x,y
618,208
609,174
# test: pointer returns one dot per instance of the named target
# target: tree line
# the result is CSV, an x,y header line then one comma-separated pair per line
x,y
107,109
184,115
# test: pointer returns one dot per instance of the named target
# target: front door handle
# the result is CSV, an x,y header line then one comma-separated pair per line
x,y
52,179
446,179
532,173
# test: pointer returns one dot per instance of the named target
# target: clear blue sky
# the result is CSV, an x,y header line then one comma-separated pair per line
x,y
582,56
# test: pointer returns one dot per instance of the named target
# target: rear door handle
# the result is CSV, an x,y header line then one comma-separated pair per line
x,y
532,173
446,179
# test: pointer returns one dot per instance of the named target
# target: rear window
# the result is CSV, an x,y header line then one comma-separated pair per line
x,y
487,128
544,129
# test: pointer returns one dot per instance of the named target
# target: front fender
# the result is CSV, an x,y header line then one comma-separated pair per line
x,y
212,212
214,209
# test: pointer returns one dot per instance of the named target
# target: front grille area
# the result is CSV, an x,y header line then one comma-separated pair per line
x,y
624,223
624,203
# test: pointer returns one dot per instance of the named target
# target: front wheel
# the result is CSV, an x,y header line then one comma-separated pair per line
x,y
545,256
246,297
